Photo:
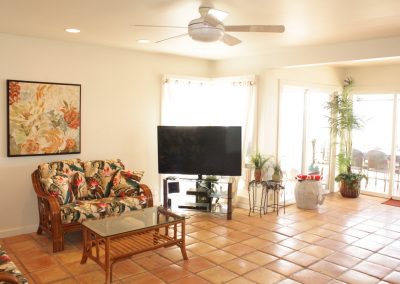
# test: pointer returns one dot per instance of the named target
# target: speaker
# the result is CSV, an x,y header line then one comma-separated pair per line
x,y
169,202
173,187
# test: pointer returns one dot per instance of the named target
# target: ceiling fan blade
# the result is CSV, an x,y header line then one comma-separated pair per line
x,y
256,28
217,14
230,40
177,36
155,26
211,20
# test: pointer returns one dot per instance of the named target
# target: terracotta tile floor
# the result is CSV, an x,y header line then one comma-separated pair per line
x,y
344,241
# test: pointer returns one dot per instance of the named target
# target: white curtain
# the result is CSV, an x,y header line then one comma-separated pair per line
x,y
229,101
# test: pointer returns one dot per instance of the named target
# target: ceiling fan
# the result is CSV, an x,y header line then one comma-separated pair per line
x,y
210,28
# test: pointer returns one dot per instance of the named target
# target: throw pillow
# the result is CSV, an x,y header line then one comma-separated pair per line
x,y
59,187
79,186
95,187
126,183
105,169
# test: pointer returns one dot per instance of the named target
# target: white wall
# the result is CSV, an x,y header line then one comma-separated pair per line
x,y
120,111
381,78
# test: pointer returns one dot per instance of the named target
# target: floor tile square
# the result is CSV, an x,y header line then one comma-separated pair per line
x,y
310,276
356,251
219,241
256,242
264,276
294,244
217,274
277,250
202,235
196,264
355,277
239,266
283,267
300,258
171,272
393,277
372,269
328,268
317,251
389,262
259,257
368,245
218,256
343,259
307,237
238,249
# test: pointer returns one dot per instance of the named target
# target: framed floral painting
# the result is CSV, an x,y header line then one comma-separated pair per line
x,y
43,118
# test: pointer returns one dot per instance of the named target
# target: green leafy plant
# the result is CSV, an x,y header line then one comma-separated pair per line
x,y
343,121
351,179
259,161
277,168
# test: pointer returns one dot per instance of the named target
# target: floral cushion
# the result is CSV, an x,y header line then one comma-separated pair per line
x,y
102,171
79,186
126,183
6,265
66,167
99,208
57,176
59,187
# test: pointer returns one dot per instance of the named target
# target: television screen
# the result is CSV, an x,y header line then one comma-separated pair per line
x,y
200,150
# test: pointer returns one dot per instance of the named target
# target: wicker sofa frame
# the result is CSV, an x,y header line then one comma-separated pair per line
x,y
50,215
8,278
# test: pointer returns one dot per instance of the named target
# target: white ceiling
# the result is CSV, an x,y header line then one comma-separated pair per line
x,y
110,23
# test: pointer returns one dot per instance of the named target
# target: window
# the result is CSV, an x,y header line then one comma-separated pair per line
x,y
229,101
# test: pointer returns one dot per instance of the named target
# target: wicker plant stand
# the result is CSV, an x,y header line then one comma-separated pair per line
x,y
109,240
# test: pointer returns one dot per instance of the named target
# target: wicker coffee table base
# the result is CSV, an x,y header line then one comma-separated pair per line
x,y
106,251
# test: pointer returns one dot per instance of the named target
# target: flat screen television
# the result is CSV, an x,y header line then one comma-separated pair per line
x,y
200,150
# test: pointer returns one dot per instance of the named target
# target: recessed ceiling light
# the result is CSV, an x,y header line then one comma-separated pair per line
x,y
143,41
72,30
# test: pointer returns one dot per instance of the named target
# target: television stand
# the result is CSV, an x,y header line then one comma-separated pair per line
x,y
203,197
196,206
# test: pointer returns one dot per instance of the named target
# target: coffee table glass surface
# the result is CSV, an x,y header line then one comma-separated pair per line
x,y
134,220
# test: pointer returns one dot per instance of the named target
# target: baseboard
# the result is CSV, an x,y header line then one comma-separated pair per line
x,y
18,231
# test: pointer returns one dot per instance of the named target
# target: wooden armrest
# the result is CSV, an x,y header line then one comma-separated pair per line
x,y
8,278
148,194
51,200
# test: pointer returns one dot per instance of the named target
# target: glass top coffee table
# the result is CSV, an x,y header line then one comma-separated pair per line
x,y
109,240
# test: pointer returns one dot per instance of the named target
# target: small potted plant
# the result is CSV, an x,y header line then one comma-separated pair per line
x,y
277,174
259,162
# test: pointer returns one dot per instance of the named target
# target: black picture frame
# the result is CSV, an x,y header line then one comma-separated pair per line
x,y
43,118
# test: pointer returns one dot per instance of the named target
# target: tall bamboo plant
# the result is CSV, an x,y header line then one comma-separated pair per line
x,y
343,121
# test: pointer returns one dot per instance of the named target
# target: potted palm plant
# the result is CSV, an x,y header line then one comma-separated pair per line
x,y
259,162
343,121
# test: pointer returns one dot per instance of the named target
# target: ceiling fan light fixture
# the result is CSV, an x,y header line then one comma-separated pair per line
x,y
143,41
206,34
73,30
200,31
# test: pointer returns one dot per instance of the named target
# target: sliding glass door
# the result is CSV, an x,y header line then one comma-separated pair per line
x,y
304,137
378,142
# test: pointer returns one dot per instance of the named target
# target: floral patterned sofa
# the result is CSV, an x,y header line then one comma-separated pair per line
x,y
71,191
8,271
